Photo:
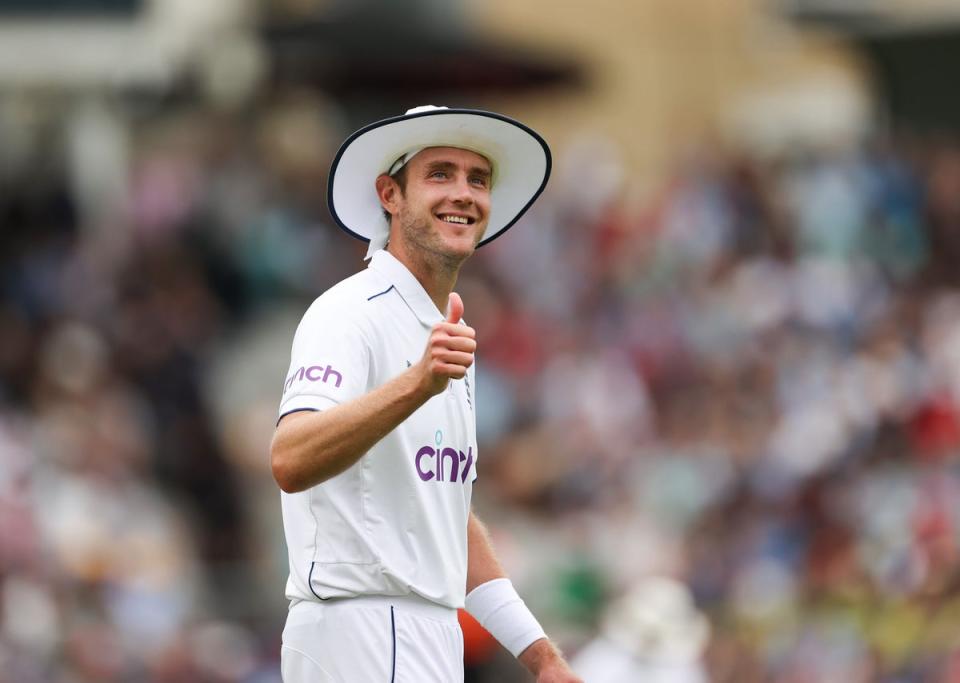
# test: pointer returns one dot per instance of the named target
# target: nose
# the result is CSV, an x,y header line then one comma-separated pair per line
x,y
461,192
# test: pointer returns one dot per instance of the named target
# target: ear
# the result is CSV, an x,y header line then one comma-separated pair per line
x,y
387,192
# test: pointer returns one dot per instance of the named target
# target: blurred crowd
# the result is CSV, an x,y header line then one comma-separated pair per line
x,y
744,379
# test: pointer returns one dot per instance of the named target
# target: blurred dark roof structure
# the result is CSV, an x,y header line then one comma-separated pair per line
x,y
69,8
911,51
353,56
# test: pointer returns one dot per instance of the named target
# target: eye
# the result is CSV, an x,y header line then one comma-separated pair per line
x,y
479,181
438,174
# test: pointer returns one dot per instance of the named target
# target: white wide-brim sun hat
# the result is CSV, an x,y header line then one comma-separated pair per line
x,y
520,158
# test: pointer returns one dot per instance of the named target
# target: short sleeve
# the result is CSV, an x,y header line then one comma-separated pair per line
x,y
329,361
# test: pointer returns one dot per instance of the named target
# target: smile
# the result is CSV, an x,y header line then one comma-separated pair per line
x,y
458,220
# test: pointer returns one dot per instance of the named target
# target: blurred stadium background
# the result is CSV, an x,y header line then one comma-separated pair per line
x,y
719,361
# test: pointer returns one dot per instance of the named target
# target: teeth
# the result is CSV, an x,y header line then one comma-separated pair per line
x,y
455,219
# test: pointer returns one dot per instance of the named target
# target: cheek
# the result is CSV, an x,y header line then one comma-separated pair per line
x,y
428,201
483,203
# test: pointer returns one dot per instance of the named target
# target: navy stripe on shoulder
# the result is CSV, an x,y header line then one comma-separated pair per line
x,y
296,410
371,298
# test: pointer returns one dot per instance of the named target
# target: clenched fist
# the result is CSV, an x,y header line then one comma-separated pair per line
x,y
449,350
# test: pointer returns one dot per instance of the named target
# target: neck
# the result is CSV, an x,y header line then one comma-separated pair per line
x,y
435,273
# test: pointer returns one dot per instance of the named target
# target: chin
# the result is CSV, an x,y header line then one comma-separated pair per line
x,y
460,252
457,250
464,243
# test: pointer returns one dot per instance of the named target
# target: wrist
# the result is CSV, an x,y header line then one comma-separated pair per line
x,y
538,654
420,386
500,610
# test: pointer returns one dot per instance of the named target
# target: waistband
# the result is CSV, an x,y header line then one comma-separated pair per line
x,y
410,603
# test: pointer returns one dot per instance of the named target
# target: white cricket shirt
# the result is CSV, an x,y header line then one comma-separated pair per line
x,y
396,521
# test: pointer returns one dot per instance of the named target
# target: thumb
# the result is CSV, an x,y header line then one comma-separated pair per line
x,y
454,308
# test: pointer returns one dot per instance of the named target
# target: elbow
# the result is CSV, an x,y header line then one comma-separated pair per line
x,y
284,472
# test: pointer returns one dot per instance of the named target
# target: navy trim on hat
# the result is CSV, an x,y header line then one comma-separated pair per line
x,y
440,112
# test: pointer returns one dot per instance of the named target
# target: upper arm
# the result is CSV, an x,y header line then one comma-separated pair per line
x,y
288,419
329,361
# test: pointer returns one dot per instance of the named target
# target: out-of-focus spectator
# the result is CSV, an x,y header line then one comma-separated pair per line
x,y
653,633
746,378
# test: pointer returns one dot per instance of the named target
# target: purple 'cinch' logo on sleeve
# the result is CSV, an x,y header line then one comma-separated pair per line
x,y
314,373
443,464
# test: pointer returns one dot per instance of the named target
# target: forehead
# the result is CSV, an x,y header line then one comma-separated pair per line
x,y
454,155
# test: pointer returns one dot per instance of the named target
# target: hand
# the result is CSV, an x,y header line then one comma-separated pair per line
x,y
544,660
449,350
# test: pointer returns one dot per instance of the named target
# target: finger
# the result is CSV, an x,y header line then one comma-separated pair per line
x,y
464,344
451,371
453,358
454,308
455,330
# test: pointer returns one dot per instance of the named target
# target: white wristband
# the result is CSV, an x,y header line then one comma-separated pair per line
x,y
500,610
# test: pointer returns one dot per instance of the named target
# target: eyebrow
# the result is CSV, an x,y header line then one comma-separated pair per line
x,y
449,165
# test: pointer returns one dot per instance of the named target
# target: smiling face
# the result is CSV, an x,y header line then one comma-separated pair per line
x,y
442,211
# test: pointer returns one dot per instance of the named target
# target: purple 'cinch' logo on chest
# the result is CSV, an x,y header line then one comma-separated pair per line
x,y
315,373
432,464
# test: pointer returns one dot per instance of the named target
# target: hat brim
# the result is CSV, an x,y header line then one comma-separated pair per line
x,y
521,159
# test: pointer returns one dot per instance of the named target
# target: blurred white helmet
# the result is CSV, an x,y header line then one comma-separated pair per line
x,y
657,620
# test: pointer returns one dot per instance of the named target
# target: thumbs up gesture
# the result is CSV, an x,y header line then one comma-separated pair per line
x,y
449,350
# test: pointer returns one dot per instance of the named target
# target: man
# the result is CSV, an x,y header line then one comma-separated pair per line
x,y
375,450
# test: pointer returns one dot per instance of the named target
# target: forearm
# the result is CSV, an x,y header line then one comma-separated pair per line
x,y
482,563
310,447
501,611
496,604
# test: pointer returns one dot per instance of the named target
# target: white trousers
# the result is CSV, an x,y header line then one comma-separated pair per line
x,y
372,639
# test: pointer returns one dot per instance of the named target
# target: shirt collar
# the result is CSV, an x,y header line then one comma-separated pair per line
x,y
407,286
